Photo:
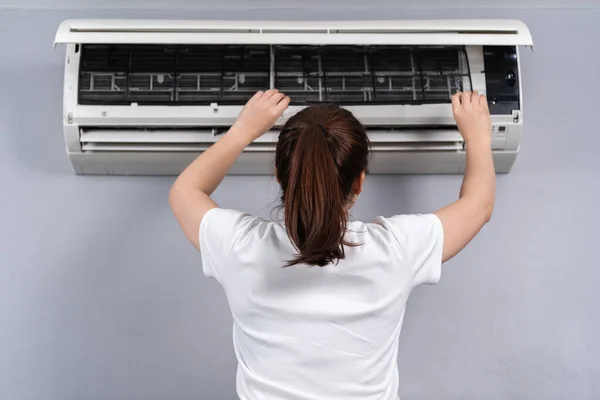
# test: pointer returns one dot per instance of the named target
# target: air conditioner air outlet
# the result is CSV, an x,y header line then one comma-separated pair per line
x,y
164,147
208,135
258,147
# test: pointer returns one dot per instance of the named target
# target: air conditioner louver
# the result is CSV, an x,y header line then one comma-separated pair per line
x,y
164,147
195,140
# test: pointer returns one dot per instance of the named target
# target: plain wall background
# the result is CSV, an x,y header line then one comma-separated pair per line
x,y
236,5
101,297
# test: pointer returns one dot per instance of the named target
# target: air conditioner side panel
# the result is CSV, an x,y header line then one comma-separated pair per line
x,y
260,163
70,84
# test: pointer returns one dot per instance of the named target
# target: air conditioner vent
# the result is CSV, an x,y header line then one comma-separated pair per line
x,y
174,139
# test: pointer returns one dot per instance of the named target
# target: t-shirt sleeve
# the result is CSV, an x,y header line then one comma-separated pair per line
x,y
219,230
421,241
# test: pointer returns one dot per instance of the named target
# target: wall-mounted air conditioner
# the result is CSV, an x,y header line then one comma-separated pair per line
x,y
147,96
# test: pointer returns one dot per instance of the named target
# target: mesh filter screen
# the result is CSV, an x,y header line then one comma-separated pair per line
x,y
204,74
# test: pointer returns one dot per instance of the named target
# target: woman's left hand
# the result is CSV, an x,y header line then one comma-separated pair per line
x,y
261,112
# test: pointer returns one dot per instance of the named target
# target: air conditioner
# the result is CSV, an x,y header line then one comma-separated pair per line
x,y
145,97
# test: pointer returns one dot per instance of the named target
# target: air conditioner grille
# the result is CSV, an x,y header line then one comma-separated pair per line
x,y
204,74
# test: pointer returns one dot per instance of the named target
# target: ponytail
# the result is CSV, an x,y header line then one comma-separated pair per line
x,y
317,167
314,203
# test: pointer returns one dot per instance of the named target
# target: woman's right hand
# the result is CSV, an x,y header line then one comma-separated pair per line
x,y
472,116
465,217
261,112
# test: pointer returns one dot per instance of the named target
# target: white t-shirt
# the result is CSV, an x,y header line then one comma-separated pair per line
x,y
319,332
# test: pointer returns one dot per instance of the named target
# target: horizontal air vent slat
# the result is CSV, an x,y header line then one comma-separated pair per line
x,y
261,147
407,134
165,147
306,30
422,32
164,30
417,146
160,136
140,136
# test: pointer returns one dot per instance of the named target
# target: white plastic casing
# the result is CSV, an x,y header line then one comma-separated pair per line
x,y
163,153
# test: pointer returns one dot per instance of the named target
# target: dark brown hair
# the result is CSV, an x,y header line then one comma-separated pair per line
x,y
321,153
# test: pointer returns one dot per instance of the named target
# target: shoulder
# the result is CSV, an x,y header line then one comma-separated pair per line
x,y
412,228
408,222
408,233
419,239
226,221
404,223
225,233
230,227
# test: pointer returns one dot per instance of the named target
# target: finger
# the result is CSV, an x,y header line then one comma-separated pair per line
x,y
475,98
258,94
455,102
483,101
269,93
283,104
276,98
465,99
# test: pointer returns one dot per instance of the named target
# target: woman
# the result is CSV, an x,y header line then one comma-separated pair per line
x,y
318,301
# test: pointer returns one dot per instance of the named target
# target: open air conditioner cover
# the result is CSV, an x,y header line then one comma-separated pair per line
x,y
423,32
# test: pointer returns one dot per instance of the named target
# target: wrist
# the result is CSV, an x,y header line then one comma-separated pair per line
x,y
241,134
242,130
479,141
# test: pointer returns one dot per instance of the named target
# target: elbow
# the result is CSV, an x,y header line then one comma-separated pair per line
x,y
174,195
488,210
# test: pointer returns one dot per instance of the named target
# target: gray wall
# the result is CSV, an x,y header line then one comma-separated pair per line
x,y
287,5
101,297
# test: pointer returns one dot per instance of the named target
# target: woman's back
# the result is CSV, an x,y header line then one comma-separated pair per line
x,y
318,301
303,333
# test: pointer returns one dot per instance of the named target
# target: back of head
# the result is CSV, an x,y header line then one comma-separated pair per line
x,y
321,155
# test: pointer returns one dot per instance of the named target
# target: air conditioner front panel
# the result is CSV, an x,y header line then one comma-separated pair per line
x,y
426,32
